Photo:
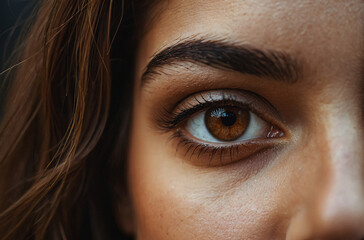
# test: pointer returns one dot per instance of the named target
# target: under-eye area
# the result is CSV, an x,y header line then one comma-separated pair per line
x,y
219,127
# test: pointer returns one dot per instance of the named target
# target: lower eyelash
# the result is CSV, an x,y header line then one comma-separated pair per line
x,y
192,149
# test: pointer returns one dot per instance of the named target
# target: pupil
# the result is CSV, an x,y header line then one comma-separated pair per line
x,y
228,118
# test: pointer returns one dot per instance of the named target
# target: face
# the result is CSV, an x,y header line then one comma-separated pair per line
x,y
248,121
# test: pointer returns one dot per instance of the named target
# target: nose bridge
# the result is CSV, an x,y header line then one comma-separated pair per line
x,y
340,211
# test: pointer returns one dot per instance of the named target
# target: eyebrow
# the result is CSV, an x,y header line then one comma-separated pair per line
x,y
222,55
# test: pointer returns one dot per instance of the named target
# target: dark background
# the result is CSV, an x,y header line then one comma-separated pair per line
x,y
13,14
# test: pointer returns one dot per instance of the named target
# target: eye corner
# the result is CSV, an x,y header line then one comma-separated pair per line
x,y
280,132
275,132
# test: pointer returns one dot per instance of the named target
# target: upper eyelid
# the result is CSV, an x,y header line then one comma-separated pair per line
x,y
256,104
251,100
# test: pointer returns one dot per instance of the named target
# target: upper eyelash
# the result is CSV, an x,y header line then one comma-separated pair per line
x,y
170,120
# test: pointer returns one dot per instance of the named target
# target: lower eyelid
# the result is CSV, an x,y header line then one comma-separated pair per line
x,y
212,155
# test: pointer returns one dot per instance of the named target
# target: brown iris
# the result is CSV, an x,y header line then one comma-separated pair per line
x,y
227,123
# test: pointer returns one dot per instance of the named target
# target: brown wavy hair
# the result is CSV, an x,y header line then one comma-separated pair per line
x,y
64,133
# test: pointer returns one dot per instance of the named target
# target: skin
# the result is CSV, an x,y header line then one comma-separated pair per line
x,y
312,185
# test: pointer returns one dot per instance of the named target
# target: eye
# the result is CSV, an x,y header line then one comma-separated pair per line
x,y
219,127
226,124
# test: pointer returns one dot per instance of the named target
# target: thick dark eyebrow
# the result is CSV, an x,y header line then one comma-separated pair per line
x,y
222,55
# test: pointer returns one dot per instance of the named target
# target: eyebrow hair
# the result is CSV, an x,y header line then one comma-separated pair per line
x,y
226,56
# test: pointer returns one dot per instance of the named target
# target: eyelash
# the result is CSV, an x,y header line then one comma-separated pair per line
x,y
173,121
193,148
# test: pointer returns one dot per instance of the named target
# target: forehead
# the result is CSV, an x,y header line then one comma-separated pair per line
x,y
327,33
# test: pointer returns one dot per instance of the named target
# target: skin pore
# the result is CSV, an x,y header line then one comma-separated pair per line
x,y
305,181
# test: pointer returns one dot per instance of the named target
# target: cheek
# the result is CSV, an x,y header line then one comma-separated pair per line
x,y
174,200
